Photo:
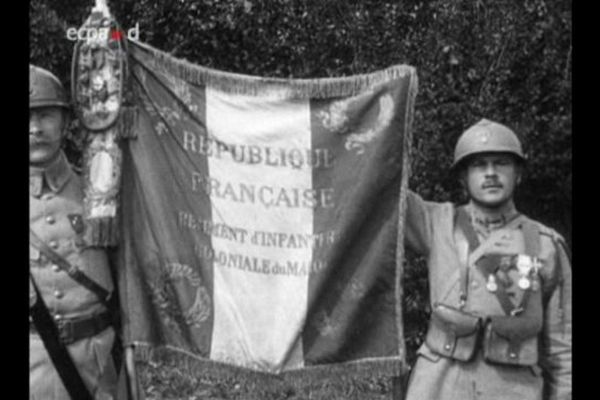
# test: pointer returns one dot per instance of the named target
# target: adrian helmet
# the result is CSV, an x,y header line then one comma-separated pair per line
x,y
45,90
484,137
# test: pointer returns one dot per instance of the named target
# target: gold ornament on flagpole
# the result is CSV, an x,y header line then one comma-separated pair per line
x,y
98,85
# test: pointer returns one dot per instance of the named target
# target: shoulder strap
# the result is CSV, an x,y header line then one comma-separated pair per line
x,y
57,350
463,221
560,278
73,271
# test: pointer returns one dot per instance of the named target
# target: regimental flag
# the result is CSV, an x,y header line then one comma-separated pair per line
x,y
263,222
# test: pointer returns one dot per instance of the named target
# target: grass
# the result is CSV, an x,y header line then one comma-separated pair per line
x,y
165,380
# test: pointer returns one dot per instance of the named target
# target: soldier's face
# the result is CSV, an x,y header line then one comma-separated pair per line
x,y
491,178
46,132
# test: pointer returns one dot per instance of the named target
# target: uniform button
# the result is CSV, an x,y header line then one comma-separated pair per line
x,y
512,355
50,219
55,268
474,284
58,294
53,244
58,317
447,346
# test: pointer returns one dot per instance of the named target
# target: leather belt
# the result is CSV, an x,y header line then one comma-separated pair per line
x,y
73,330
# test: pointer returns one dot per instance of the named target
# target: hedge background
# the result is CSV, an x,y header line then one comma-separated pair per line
x,y
504,60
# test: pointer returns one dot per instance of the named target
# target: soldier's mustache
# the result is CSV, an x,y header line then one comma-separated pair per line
x,y
36,141
491,184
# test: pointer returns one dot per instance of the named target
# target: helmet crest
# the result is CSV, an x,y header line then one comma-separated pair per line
x,y
487,137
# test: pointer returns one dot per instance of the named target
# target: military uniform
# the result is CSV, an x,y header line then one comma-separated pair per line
x,y
57,228
55,201
500,292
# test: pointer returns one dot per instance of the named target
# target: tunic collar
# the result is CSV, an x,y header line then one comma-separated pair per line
x,y
53,177
486,222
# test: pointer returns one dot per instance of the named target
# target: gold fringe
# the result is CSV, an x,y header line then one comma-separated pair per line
x,y
333,381
102,232
253,85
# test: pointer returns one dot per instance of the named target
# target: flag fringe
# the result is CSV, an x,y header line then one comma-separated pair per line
x,y
241,84
353,380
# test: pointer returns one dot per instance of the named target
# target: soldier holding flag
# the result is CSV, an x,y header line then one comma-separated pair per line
x,y
500,284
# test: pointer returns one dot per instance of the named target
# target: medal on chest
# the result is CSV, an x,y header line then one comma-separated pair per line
x,y
528,268
491,284
524,283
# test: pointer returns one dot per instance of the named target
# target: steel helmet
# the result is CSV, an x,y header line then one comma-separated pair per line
x,y
45,90
484,137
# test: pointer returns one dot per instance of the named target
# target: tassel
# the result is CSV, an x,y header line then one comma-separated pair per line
x,y
102,180
104,123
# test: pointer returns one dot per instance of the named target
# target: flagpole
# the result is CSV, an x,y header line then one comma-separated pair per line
x,y
100,95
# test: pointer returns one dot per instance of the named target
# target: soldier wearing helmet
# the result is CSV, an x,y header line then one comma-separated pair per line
x,y
500,284
70,281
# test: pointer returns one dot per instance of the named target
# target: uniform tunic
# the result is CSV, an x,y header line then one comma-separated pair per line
x,y
432,232
56,201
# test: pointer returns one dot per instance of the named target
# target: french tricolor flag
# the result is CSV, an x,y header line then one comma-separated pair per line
x,y
262,220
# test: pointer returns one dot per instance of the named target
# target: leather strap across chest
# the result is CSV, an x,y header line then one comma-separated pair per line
x,y
57,350
107,298
72,270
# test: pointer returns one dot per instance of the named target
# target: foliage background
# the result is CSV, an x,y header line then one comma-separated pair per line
x,y
505,60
